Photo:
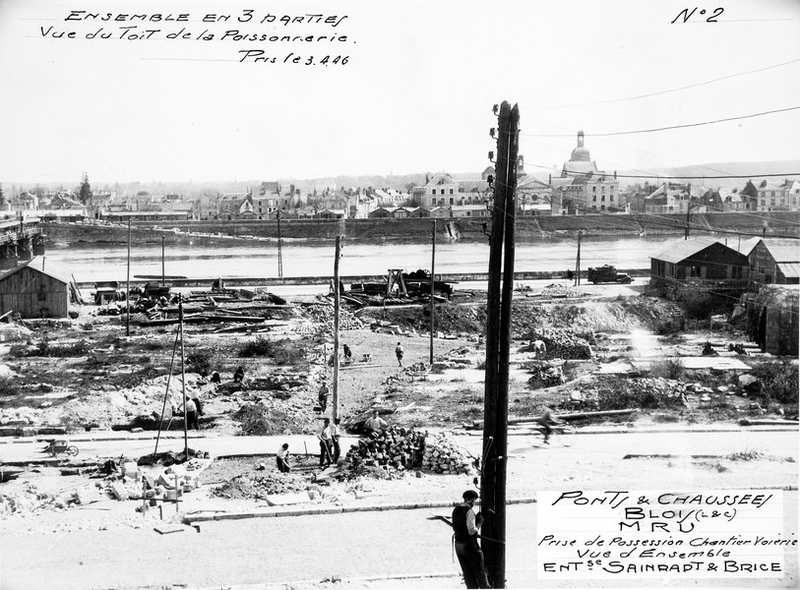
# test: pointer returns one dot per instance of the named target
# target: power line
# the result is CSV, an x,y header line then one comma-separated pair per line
x,y
732,176
669,90
683,126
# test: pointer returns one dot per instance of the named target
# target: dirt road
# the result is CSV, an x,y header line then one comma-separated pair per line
x,y
294,552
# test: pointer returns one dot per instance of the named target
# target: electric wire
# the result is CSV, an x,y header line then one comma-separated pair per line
x,y
670,90
670,127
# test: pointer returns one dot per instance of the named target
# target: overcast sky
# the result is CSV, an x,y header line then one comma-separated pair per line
x,y
415,94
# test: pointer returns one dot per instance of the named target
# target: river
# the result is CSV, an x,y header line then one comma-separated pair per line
x,y
91,263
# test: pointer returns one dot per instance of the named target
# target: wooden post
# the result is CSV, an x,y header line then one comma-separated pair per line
x,y
336,297
433,267
500,450
280,245
490,451
163,264
128,286
183,386
688,217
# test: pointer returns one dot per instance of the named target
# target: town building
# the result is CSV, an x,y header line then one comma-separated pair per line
x,y
582,188
783,196
535,197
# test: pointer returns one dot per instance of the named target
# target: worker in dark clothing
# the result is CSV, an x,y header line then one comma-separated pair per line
x,y
465,532
190,411
282,458
238,376
322,396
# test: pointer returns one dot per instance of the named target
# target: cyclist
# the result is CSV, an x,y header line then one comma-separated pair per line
x,y
546,421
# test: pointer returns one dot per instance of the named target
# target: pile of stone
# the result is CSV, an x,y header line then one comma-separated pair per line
x,y
383,327
563,344
544,375
135,482
558,290
443,455
260,486
322,313
396,447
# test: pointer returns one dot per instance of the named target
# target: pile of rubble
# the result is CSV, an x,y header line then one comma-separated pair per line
x,y
135,482
563,344
443,455
269,417
544,375
322,313
560,290
260,486
396,447
30,500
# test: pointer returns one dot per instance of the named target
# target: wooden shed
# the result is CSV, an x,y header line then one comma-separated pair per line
x,y
37,289
772,318
705,262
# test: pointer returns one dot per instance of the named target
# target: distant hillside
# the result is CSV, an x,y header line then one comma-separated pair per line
x,y
750,170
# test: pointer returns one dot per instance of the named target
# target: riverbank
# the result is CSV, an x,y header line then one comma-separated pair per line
x,y
417,230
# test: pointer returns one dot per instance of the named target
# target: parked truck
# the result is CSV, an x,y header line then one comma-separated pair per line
x,y
608,274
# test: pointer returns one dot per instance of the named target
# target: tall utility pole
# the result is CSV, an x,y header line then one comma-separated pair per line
x,y
688,212
336,297
128,286
433,268
183,386
498,340
163,263
280,246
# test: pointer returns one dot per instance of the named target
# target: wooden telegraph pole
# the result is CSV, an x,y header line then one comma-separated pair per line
x,y
163,263
280,245
433,268
498,343
128,286
336,302
183,387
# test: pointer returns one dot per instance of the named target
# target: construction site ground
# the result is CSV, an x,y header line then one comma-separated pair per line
x,y
104,379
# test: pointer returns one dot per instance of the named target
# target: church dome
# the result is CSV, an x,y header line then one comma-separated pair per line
x,y
580,153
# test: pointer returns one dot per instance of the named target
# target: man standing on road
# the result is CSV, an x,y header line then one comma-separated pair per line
x,y
465,531
336,433
398,352
325,443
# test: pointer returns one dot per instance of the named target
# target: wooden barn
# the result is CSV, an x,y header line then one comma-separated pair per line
x,y
37,289
705,262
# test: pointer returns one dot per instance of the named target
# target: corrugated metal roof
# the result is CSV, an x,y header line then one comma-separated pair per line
x,y
683,249
791,270
783,252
